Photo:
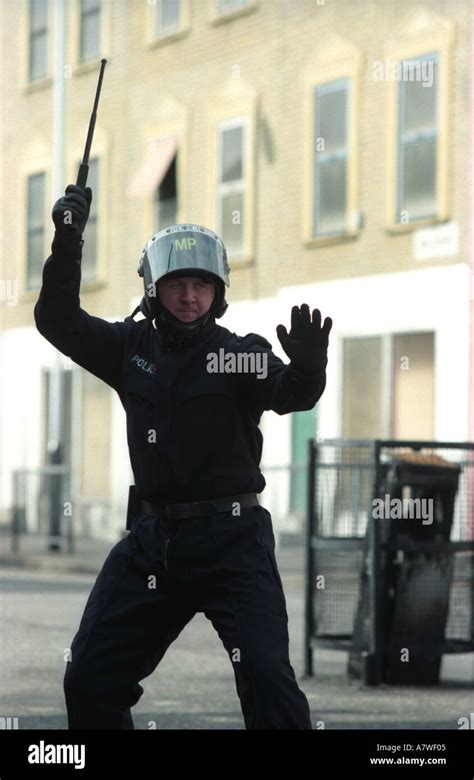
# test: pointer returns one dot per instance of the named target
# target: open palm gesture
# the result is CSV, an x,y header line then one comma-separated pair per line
x,y
307,343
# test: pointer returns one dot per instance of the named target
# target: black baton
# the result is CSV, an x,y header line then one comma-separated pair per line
x,y
84,166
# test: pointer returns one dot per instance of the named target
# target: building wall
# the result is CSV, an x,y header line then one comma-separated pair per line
x,y
269,48
259,62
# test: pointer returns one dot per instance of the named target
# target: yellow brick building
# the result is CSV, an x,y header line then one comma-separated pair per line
x,y
327,142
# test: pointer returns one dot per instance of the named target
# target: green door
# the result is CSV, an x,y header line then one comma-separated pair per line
x,y
303,427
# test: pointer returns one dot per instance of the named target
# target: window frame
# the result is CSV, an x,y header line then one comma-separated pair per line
x,y
337,61
45,31
236,100
154,38
219,17
102,147
45,81
171,119
432,34
94,219
82,14
386,376
319,157
164,31
157,201
402,146
74,38
237,186
28,286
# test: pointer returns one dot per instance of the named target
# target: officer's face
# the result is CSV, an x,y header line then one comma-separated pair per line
x,y
187,297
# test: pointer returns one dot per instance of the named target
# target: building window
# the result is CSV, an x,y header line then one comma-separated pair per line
x,y
166,200
230,186
362,408
412,413
387,392
38,39
330,158
89,250
36,228
227,6
417,139
90,29
388,386
168,16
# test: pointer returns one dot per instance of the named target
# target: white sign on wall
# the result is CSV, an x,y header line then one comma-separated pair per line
x,y
433,242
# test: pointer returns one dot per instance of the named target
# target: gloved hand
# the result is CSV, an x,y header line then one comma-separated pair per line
x,y
307,343
71,212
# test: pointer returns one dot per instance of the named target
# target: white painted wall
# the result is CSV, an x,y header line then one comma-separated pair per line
x,y
427,299
431,299
121,475
23,355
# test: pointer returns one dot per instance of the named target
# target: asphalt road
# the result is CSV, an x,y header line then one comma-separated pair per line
x,y
193,687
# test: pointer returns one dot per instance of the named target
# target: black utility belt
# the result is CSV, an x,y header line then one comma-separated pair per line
x,y
208,506
186,510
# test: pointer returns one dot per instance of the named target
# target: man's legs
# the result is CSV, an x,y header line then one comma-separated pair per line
x,y
124,633
247,608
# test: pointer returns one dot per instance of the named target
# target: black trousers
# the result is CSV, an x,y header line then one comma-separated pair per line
x,y
223,566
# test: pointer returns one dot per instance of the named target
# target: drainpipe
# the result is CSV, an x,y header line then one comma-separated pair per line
x,y
470,479
55,396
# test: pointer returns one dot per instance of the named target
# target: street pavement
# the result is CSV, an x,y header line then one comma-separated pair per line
x,y
42,599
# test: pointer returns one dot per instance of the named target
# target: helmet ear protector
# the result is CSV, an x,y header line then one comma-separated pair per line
x,y
183,250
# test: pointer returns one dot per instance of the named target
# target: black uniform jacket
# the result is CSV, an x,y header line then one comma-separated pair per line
x,y
192,434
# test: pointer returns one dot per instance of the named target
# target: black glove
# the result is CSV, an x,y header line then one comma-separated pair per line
x,y
307,343
71,212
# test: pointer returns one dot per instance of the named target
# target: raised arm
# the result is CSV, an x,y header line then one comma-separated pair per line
x,y
93,343
298,386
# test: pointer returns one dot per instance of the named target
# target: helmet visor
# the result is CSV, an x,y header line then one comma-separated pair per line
x,y
181,249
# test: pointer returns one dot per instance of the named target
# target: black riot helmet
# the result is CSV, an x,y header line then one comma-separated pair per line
x,y
181,250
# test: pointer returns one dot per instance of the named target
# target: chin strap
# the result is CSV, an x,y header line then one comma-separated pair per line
x,y
177,334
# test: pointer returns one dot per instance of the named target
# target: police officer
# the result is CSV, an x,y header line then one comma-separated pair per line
x,y
198,541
